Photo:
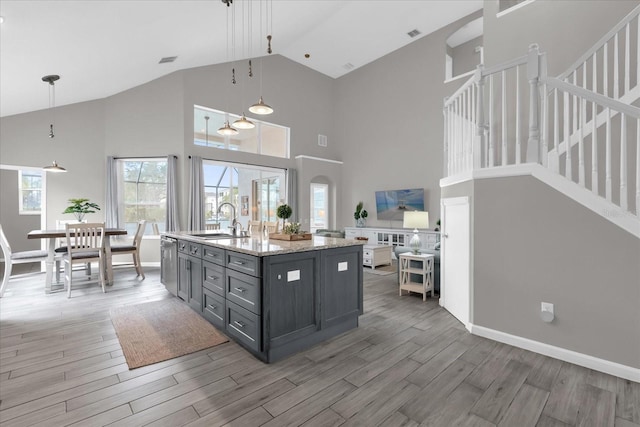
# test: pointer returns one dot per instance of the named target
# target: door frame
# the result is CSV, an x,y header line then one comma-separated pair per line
x,y
453,201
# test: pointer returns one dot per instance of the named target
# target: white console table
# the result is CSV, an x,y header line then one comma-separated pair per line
x,y
393,236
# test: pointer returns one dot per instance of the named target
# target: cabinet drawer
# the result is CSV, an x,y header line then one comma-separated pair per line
x,y
214,277
216,255
244,263
366,261
244,326
214,309
243,290
367,253
193,249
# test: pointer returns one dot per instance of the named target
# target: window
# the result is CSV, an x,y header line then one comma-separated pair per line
x,y
142,189
319,206
260,187
266,138
30,192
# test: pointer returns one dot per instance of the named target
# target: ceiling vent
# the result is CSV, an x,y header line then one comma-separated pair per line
x,y
348,66
413,33
167,59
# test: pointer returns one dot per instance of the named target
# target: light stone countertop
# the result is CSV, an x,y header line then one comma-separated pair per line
x,y
259,246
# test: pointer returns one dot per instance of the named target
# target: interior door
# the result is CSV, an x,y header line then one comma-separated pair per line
x,y
455,263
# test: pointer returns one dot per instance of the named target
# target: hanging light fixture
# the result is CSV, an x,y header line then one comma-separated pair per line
x,y
260,107
51,79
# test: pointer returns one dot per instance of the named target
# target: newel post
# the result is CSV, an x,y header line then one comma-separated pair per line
x,y
533,75
479,140
447,138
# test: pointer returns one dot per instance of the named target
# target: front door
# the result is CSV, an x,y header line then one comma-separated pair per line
x,y
455,263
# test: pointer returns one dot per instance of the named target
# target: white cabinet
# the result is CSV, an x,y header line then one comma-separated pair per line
x,y
375,255
393,236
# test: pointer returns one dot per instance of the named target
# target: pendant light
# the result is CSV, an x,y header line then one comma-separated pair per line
x,y
51,79
227,129
260,107
243,123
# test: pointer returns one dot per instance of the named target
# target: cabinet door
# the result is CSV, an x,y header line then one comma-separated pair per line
x,y
183,276
195,284
292,296
342,285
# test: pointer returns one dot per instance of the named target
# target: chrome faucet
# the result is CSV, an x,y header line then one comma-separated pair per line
x,y
235,225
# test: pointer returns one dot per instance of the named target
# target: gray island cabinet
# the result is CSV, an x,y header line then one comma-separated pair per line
x,y
274,298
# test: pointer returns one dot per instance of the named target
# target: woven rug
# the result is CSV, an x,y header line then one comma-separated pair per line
x,y
161,330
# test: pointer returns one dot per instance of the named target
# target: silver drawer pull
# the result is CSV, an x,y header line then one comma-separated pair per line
x,y
238,262
213,307
241,290
239,324
213,277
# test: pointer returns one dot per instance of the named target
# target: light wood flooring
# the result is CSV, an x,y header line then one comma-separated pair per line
x,y
409,363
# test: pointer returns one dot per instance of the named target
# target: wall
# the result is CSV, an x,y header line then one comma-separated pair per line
x,y
78,146
564,29
465,57
532,244
389,125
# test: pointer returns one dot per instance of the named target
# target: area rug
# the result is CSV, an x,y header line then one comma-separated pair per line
x,y
161,330
383,270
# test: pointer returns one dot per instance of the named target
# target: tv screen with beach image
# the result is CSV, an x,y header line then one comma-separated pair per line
x,y
391,205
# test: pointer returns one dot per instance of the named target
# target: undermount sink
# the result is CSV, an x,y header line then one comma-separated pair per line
x,y
214,235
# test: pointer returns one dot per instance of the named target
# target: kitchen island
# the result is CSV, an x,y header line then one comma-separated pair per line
x,y
273,297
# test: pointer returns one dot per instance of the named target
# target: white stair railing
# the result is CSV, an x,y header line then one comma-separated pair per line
x,y
610,67
486,120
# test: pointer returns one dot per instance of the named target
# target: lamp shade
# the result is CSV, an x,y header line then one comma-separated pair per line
x,y
416,219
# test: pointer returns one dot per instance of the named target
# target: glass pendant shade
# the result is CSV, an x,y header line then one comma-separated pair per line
x,y
227,130
54,168
243,123
261,108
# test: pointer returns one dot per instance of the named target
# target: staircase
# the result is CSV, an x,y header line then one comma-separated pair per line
x,y
578,132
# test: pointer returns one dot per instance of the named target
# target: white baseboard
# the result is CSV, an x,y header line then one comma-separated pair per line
x,y
602,365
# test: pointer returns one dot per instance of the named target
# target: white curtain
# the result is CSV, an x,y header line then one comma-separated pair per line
x,y
172,222
111,202
196,195
292,193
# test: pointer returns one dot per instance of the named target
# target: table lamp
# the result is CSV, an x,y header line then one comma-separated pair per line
x,y
415,220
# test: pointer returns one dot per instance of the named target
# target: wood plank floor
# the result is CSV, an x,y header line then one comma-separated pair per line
x,y
409,363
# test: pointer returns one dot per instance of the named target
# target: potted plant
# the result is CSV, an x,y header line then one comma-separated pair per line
x,y
81,207
437,226
284,212
360,215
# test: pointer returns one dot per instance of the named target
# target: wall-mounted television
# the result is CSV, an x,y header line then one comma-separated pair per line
x,y
392,204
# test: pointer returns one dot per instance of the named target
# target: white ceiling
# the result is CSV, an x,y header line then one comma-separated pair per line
x,y
100,48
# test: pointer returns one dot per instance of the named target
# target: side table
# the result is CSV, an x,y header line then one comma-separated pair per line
x,y
408,268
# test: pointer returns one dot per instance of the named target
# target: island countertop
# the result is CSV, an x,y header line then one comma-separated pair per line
x,y
261,246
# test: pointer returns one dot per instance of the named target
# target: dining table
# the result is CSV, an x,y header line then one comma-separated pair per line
x,y
53,235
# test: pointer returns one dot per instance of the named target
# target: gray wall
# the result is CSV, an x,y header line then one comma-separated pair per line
x,y
78,146
565,29
465,57
532,244
389,124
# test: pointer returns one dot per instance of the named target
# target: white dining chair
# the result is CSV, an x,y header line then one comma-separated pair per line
x,y
85,244
133,249
254,228
271,226
21,257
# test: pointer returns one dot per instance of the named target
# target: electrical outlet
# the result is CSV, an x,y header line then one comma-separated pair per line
x,y
322,140
546,312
